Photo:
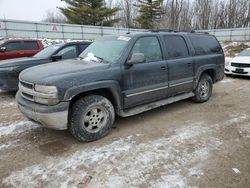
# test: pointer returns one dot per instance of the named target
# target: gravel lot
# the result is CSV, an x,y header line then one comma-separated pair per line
x,y
180,145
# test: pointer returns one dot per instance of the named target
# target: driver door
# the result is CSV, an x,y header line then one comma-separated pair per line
x,y
148,81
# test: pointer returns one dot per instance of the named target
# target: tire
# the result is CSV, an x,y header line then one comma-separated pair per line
x,y
92,118
204,89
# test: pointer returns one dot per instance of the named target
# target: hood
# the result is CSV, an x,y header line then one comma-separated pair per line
x,y
59,70
17,61
241,59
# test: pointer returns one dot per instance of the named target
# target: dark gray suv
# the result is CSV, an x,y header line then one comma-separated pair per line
x,y
120,75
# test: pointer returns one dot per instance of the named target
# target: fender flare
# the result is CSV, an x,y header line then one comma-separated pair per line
x,y
111,85
203,69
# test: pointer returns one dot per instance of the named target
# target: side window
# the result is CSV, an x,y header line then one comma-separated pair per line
x,y
30,45
68,52
205,44
176,47
150,47
82,47
13,46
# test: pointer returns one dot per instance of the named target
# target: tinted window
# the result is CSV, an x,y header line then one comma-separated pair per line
x,y
82,47
48,51
205,44
12,46
176,47
68,52
30,45
150,47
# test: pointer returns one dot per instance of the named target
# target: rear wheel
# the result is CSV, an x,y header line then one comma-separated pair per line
x,y
204,89
92,118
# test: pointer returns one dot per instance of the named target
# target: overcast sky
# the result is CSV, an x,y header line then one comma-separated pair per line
x,y
31,10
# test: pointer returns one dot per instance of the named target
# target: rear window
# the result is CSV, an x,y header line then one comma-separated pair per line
x,y
205,44
176,47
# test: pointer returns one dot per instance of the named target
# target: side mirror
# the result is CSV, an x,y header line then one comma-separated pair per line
x,y
56,57
137,58
3,49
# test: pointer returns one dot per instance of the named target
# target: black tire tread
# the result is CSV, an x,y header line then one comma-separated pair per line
x,y
78,109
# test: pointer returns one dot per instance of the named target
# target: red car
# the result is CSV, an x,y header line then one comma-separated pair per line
x,y
15,48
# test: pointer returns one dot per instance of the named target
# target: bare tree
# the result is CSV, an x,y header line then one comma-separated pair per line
x,y
54,17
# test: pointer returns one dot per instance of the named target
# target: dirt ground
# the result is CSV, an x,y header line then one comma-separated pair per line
x,y
180,145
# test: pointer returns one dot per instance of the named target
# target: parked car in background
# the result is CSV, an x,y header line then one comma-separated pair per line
x,y
15,48
10,69
240,65
120,75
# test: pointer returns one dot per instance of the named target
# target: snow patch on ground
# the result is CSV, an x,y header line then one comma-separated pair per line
x,y
9,145
16,128
236,118
164,162
10,104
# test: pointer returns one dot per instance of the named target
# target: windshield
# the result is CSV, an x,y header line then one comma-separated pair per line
x,y
105,50
47,52
245,52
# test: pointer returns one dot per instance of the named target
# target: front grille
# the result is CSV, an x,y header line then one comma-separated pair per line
x,y
27,85
241,65
27,96
26,90
237,72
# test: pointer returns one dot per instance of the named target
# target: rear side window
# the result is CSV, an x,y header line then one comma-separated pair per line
x,y
68,52
30,45
176,47
82,47
205,44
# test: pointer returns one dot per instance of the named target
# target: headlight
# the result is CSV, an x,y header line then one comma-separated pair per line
x,y
46,94
46,89
227,63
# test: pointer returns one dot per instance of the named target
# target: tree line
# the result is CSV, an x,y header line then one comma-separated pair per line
x,y
158,14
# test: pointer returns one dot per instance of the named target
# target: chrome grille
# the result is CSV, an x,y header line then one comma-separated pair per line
x,y
240,65
26,90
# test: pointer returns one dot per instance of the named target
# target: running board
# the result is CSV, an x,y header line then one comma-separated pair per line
x,y
150,106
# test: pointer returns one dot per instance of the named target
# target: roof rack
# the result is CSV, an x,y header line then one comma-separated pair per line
x,y
193,31
164,30
175,31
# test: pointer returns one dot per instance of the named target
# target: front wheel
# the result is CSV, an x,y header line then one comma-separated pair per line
x,y
92,118
204,89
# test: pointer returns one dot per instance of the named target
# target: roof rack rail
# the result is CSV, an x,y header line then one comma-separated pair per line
x,y
164,30
193,31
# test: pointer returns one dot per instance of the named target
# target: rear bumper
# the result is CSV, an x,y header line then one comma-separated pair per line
x,y
9,81
54,117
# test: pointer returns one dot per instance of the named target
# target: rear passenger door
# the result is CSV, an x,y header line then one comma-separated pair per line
x,y
148,81
29,48
180,65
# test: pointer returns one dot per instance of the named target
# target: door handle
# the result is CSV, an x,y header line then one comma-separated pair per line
x,y
163,68
189,64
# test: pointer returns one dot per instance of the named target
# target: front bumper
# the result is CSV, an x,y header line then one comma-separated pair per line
x,y
54,117
9,81
235,71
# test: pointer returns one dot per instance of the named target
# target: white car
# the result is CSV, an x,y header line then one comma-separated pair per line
x,y
239,65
